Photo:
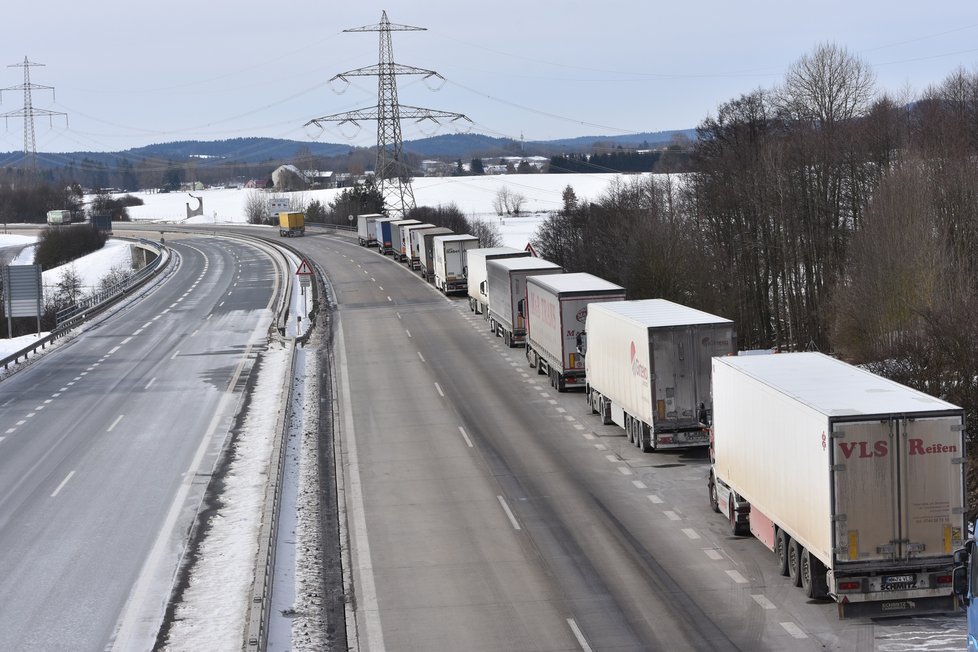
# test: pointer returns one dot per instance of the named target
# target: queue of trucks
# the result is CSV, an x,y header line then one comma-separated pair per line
x,y
854,482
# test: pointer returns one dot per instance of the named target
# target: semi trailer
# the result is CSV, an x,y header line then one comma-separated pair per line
x,y
506,279
855,482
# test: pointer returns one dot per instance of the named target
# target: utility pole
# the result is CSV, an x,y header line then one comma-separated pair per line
x,y
28,113
391,171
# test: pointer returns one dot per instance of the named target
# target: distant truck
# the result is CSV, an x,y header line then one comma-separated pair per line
x,y
277,206
558,305
426,250
405,253
647,364
291,224
367,230
397,236
506,280
102,223
449,254
385,237
855,482
378,232
475,260
59,217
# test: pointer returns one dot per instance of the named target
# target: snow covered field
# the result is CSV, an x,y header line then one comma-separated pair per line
x,y
474,196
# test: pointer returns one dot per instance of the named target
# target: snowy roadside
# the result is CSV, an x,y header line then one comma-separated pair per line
x,y
211,613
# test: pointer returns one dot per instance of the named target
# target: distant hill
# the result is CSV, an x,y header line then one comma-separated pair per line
x,y
271,150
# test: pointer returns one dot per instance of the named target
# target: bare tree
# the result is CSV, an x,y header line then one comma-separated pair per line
x,y
256,207
507,202
827,86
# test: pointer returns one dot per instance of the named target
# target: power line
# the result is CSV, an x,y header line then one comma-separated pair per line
x,y
28,113
391,171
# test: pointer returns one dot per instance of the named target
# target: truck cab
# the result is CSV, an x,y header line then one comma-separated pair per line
x,y
965,581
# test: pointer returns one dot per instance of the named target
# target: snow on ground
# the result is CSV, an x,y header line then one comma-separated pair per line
x,y
474,196
211,615
90,269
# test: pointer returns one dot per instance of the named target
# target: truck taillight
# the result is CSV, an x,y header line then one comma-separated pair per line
x,y
850,586
944,580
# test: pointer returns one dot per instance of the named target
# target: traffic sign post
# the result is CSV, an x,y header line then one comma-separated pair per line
x,y
304,273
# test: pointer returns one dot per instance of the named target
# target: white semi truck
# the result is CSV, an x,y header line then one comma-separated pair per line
x,y
422,253
855,482
451,273
557,307
404,255
506,278
647,364
367,229
475,260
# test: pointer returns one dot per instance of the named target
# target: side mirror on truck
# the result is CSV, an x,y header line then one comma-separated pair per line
x,y
582,343
961,576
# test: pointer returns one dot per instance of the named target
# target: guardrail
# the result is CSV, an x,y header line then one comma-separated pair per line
x,y
259,608
91,306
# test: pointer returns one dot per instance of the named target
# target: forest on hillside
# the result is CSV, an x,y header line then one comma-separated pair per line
x,y
819,214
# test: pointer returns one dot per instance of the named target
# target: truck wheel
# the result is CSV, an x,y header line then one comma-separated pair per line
x,y
738,529
714,499
605,411
561,384
794,561
645,445
812,576
781,551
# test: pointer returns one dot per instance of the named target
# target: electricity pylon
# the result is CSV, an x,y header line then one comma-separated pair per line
x,y
392,172
29,111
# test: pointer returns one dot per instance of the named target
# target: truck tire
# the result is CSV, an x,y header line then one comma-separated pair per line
x,y
644,444
794,561
737,529
781,551
561,383
605,411
812,576
712,488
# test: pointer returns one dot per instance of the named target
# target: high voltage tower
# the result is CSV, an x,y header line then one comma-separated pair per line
x,y
392,172
29,111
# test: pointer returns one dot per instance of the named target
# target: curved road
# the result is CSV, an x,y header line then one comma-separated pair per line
x,y
106,447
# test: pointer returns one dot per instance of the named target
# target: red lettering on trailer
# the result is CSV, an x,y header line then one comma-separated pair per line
x,y
917,448
638,369
879,448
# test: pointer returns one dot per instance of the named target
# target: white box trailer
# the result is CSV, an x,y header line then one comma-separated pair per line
x,y
854,481
422,256
404,255
367,229
557,310
475,260
506,279
647,364
451,273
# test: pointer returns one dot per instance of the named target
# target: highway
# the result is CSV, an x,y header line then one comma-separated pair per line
x,y
486,511
107,444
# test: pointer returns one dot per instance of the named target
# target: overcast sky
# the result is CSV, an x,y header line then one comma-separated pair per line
x,y
130,74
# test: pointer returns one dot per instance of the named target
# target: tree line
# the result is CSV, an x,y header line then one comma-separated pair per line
x,y
819,214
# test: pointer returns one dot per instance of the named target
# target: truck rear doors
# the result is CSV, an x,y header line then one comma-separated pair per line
x,y
898,488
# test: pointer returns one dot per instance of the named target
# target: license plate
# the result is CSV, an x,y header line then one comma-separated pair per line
x,y
898,581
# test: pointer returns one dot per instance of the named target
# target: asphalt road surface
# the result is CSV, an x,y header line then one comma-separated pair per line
x,y
106,446
486,511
